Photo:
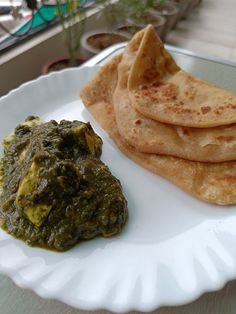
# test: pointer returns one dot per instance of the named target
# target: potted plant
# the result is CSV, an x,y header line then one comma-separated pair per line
x,y
170,11
183,6
93,42
72,19
139,13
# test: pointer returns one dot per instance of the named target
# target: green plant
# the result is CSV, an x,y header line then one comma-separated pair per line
x,y
72,19
111,11
136,8
115,10
161,2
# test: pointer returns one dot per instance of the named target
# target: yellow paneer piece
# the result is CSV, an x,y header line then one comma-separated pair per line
x,y
91,139
7,140
36,213
10,137
1,175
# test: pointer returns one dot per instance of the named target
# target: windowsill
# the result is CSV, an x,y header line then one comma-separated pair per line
x,y
25,61
37,40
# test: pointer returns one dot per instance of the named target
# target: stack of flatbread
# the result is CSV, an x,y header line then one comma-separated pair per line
x,y
168,121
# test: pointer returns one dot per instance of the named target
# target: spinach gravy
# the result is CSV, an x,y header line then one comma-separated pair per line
x,y
54,189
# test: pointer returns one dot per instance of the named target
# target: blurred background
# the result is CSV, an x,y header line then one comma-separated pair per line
x,y
53,34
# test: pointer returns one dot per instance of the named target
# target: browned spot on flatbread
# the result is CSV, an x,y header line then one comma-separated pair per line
x,y
205,109
138,122
231,179
226,138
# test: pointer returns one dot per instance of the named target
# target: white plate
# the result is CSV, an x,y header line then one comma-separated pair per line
x,y
173,248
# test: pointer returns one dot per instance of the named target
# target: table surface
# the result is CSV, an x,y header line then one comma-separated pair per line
x,y
14,300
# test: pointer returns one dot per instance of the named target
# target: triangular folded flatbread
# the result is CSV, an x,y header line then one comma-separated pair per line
x,y
150,136
161,91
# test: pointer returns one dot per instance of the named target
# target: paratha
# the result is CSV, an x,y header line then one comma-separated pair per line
x,y
160,90
211,182
150,136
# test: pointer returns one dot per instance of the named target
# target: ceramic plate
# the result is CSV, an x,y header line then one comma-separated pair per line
x,y
173,248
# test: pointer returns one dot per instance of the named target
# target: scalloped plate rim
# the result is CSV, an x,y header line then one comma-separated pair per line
x,y
84,305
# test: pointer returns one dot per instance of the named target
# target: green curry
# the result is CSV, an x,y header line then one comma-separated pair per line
x,y
54,189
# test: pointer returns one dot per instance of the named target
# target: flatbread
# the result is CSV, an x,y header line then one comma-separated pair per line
x,y
102,86
150,136
161,91
211,182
